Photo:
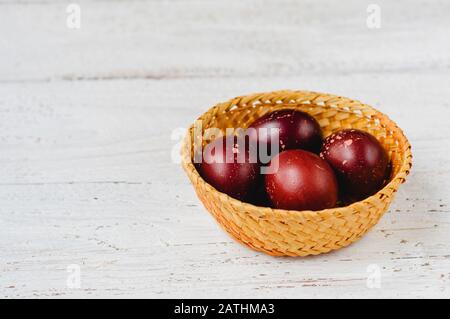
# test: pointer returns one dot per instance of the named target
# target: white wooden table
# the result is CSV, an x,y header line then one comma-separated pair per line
x,y
86,116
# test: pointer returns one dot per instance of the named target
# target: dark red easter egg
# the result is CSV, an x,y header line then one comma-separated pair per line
x,y
229,167
302,181
296,130
359,161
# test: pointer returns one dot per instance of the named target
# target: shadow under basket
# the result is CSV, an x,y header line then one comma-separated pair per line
x,y
300,233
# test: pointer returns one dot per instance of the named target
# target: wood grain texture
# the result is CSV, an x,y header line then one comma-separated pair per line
x,y
86,119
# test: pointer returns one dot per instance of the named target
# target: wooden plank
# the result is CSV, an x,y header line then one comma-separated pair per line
x,y
177,39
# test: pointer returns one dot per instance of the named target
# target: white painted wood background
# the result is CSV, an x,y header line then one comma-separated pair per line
x,y
86,117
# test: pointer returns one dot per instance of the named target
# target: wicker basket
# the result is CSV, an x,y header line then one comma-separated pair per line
x,y
300,233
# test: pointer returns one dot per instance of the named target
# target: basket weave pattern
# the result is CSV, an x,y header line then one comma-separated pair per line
x,y
300,233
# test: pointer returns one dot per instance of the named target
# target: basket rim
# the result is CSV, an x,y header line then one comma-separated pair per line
x,y
394,183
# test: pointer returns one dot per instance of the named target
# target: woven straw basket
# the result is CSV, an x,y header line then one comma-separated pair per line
x,y
300,233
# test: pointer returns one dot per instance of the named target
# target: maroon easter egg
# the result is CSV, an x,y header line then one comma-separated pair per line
x,y
359,161
301,181
229,167
297,130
